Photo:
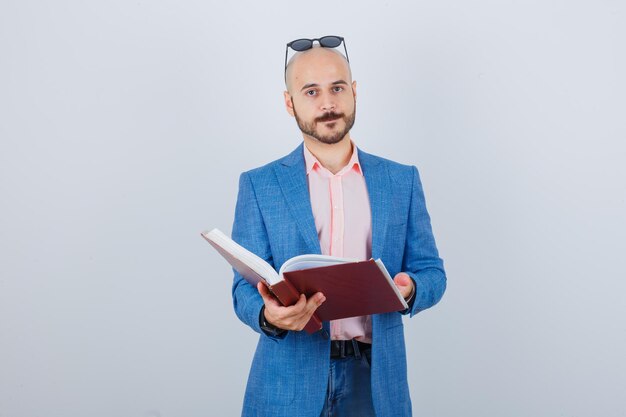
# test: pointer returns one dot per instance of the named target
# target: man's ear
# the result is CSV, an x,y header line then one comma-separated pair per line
x,y
288,103
354,89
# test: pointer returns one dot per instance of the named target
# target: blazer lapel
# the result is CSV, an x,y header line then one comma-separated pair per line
x,y
378,186
291,174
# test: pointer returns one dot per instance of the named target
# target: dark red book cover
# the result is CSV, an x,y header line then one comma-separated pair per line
x,y
351,289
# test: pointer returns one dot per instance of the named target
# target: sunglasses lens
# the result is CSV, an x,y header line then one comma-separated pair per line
x,y
330,41
301,45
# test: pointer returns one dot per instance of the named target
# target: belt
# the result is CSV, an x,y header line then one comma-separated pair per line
x,y
340,349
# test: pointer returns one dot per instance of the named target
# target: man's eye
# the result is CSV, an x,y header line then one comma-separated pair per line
x,y
311,93
337,89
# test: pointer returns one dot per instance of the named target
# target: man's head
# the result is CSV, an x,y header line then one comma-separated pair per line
x,y
321,94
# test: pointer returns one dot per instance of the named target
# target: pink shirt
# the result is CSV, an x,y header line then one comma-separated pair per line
x,y
341,209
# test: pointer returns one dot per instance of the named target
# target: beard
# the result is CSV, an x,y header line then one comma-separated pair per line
x,y
310,128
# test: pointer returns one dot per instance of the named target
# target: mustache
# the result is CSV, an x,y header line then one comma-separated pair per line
x,y
329,117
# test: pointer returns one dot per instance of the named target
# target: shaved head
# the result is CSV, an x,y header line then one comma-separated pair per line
x,y
319,56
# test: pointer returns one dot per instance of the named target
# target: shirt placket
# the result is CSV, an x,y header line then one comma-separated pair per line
x,y
337,216
336,231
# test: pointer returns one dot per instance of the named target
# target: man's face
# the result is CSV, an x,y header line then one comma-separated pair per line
x,y
321,95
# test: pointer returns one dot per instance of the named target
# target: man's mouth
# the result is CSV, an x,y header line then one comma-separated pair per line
x,y
329,117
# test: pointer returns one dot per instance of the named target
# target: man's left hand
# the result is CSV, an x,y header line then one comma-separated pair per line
x,y
404,283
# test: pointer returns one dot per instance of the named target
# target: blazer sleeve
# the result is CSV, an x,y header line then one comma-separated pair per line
x,y
421,259
249,231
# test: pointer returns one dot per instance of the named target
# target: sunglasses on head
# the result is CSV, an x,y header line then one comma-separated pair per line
x,y
300,45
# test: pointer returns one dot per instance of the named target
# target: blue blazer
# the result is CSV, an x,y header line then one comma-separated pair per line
x,y
274,219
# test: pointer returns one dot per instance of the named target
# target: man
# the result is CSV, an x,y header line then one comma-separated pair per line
x,y
329,197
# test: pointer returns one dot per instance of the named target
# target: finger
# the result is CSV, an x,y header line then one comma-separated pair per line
x,y
402,279
404,283
297,308
262,288
267,296
314,302
301,304
286,317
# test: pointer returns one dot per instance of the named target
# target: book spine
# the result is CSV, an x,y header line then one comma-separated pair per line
x,y
314,324
288,296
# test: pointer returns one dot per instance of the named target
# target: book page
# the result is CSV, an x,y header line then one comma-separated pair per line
x,y
391,283
248,264
300,262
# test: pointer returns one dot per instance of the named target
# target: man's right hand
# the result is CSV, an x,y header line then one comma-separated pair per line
x,y
294,317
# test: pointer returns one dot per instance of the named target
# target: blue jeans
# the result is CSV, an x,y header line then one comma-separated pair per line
x,y
349,391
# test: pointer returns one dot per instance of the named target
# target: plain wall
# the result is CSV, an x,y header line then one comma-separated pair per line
x,y
124,127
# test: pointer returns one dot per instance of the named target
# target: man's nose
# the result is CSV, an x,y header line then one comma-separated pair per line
x,y
328,104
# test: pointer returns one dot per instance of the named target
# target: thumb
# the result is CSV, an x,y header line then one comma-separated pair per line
x,y
265,293
402,279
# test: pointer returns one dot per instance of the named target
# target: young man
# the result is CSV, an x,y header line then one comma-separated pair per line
x,y
329,197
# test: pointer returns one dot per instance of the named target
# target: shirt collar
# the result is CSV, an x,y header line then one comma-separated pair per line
x,y
313,164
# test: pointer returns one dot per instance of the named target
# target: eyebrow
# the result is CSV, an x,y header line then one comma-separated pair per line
x,y
338,82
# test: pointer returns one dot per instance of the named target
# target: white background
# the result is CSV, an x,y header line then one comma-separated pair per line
x,y
124,126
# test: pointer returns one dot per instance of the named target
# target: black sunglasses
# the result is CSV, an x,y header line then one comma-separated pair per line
x,y
300,45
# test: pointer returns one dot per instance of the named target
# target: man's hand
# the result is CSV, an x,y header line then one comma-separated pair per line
x,y
404,283
294,317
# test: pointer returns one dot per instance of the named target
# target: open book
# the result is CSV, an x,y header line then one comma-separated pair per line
x,y
352,288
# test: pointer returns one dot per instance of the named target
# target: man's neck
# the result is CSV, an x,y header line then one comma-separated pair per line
x,y
332,157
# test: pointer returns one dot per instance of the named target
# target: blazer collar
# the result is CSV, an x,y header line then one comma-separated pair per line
x,y
291,174
378,188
